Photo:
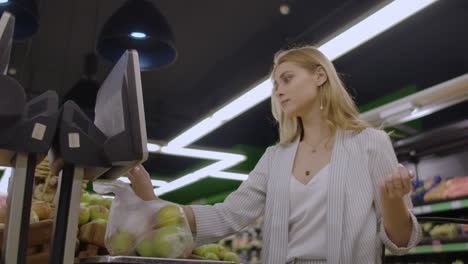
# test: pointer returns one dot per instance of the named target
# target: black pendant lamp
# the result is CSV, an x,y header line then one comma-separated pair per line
x,y
26,17
138,25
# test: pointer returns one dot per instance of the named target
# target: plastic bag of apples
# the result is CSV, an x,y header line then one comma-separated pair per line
x,y
148,228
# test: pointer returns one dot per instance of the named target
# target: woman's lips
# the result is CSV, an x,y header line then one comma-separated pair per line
x,y
284,101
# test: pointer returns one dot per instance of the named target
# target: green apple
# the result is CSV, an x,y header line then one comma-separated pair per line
x,y
210,248
222,251
84,215
169,215
98,211
107,202
169,242
94,199
211,256
85,197
230,256
99,220
199,250
122,243
145,248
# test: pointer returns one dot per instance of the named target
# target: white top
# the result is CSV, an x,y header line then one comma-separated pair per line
x,y
307,217
360,162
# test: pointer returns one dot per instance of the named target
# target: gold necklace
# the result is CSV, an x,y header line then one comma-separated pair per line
x,y
314,149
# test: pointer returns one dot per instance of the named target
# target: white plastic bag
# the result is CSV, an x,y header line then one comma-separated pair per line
x,y
150,228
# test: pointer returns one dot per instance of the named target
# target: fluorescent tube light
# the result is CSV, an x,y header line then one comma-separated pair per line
x,y
202,154
372,26
197,175
5,179
153,147
229,175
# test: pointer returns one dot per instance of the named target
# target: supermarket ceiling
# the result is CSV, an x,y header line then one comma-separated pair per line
x,y
225,47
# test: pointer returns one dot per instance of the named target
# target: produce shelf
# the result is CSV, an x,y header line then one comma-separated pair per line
x,y
436,249
440,207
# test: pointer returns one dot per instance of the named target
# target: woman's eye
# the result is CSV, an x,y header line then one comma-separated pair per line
x,y
287,78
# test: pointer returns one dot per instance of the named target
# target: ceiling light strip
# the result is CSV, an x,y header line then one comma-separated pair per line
x,y
229,175
197,175
5,179
373,25
202,154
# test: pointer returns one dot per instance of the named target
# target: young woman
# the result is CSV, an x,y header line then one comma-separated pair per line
x,y
331,190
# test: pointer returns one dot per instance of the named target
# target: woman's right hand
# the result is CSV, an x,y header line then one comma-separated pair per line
x,y
141,183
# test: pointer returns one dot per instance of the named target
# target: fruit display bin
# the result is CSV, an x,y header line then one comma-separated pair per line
x,y
143,260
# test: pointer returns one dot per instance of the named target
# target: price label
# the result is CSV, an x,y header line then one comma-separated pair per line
x,y
456,204
417,210
426,209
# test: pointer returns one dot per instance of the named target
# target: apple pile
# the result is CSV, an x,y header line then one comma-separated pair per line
x,y
169,237
92,207
215,252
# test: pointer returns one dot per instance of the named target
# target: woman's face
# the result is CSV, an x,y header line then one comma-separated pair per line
x,y
296,89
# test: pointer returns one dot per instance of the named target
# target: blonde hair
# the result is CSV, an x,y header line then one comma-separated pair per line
x,y
339,109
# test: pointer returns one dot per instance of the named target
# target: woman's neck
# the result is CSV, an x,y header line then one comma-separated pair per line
x,y
315,129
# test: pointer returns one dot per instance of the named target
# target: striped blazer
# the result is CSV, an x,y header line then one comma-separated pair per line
x,y
360,161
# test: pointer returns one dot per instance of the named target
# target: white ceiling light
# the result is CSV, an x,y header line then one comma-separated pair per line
x,y
5,179
197,175
230,175
284,10
202,154
372,26
153,147
363,31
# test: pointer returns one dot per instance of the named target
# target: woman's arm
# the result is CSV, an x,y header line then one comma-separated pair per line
x,y
214,222
396,217
143,188
398,227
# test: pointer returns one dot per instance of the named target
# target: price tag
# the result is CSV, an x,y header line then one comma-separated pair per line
x,y
417,210
426,209
456,204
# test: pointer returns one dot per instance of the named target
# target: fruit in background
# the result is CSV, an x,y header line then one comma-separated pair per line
x,y
100,221
94,199
33,218
121,243
107,202
427,226
145,248
199,250
229,256
211,256
169,242
84,215
85,197
222,251
211,248
169,215
43,210
98,211
444,231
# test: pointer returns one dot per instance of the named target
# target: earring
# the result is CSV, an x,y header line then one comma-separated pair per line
x,y
321,99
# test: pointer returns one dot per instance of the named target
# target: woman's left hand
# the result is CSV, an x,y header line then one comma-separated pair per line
x,y
398,184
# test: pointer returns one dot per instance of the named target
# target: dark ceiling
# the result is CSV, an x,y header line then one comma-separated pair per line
x,y
225,47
